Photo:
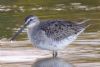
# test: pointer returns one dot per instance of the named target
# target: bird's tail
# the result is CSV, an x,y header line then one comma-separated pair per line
x,y
84,23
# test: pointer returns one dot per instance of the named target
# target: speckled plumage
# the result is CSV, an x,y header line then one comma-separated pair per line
x,y
59,29
54,34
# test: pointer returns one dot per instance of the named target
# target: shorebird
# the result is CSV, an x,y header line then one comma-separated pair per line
x,y
51,35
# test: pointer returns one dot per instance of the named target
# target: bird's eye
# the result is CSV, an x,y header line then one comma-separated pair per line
x,y
31,19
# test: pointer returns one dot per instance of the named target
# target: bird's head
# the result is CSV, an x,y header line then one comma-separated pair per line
x,y
30,21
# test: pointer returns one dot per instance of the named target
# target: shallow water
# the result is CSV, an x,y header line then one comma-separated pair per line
x,y
84,52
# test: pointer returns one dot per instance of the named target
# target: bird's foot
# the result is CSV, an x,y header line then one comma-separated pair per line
x,y
55,54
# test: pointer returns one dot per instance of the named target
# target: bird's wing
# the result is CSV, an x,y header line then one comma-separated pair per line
x,y
58,29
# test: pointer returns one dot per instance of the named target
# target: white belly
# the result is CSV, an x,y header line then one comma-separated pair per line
x,y
57,45
43,42
49,44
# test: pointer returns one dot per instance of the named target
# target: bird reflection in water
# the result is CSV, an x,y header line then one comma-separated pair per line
x,y
51,62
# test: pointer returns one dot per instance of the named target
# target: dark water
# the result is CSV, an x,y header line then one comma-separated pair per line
x,y
84,52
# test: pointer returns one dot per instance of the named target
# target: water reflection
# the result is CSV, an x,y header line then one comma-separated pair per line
x,y
51,62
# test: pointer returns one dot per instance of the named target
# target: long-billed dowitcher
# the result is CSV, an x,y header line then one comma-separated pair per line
x,y
52,34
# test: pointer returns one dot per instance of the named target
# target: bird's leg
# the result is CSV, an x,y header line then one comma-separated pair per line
x,y
55,54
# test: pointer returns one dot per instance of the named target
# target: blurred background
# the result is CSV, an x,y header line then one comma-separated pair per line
x,y
12,13
84,52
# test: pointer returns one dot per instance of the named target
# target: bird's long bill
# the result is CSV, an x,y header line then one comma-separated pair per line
x,y
18,32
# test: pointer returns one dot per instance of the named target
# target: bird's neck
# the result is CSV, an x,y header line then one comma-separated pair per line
x,y
31,28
